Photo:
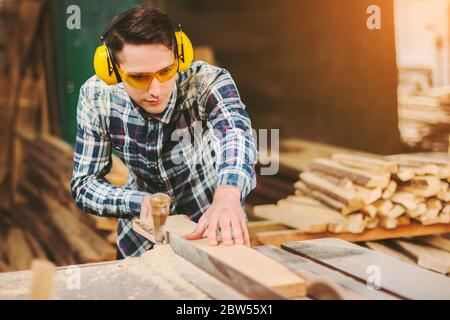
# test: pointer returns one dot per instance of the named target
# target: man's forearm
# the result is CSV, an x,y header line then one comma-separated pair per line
x,y
98,196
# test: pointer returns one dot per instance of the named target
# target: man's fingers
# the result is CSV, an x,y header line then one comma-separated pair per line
x,y
212,230
245,232
225,228
145,212
237,231
146,209
199,230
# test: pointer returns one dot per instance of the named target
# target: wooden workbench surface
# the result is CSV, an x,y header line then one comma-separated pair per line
x,y
158,274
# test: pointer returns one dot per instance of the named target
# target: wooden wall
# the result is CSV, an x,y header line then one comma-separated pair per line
x,y
311,68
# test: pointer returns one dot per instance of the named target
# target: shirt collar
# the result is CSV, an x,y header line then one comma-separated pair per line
x,y
165,116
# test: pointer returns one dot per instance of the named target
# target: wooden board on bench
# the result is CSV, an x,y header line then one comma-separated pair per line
x,y
396,277
242,268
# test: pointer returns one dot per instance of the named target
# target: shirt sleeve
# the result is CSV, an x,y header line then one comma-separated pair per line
x,y
232,128
92,161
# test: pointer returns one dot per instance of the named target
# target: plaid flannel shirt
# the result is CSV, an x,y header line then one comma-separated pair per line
x,y
202,140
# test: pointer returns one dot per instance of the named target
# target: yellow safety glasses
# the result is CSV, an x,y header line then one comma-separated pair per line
x,y
143,80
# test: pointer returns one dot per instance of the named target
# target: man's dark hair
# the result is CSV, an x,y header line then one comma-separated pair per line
x,y
141,25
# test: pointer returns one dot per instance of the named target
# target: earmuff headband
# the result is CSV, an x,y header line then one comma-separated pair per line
x,y
105,64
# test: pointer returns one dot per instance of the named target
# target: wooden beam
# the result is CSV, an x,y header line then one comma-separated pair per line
x,y
241,267
255,227
42,281
351,289
350,200
427,257
383,248
357,176
396,277
436,241
303,220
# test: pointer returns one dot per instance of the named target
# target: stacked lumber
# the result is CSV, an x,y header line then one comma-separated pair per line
x,y
403,280
352,193
45,223
429,252
424,120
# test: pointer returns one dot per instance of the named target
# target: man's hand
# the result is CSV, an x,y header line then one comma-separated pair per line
x,y
226,214
146,209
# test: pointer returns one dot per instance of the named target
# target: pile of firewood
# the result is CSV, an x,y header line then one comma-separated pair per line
x,y
384,192
45,222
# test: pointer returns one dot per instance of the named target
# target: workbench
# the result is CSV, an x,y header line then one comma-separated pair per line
x,y
158,274
161,274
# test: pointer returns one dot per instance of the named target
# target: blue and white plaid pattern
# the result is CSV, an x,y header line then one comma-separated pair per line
x,y
202,140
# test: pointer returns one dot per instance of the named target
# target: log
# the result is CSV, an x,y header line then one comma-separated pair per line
x,y
406,199
371,222
359,177
351,201
390,190
425,187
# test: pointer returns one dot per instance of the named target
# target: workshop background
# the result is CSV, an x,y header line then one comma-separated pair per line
x,y
312,69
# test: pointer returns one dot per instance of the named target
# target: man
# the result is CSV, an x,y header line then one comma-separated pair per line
x,y
151,129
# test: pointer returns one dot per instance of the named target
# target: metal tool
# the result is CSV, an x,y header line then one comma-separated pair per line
x,y
160,204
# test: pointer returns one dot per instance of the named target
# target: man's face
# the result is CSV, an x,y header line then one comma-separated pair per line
x,y
135,59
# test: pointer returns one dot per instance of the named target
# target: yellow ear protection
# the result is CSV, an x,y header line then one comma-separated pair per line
x,y
106,67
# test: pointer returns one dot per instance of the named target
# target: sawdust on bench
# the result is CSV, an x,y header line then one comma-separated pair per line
x,y
160,266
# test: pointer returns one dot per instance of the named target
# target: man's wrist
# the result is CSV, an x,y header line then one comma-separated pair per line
x,y
227,192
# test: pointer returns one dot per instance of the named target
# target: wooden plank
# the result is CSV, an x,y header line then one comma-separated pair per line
x,y
377,165
158,274
413,229
311,220
357,176
305,210
352,289
436,241
241,267
19,251
350,200
396,277
381,247
42,282
427,257
255,227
